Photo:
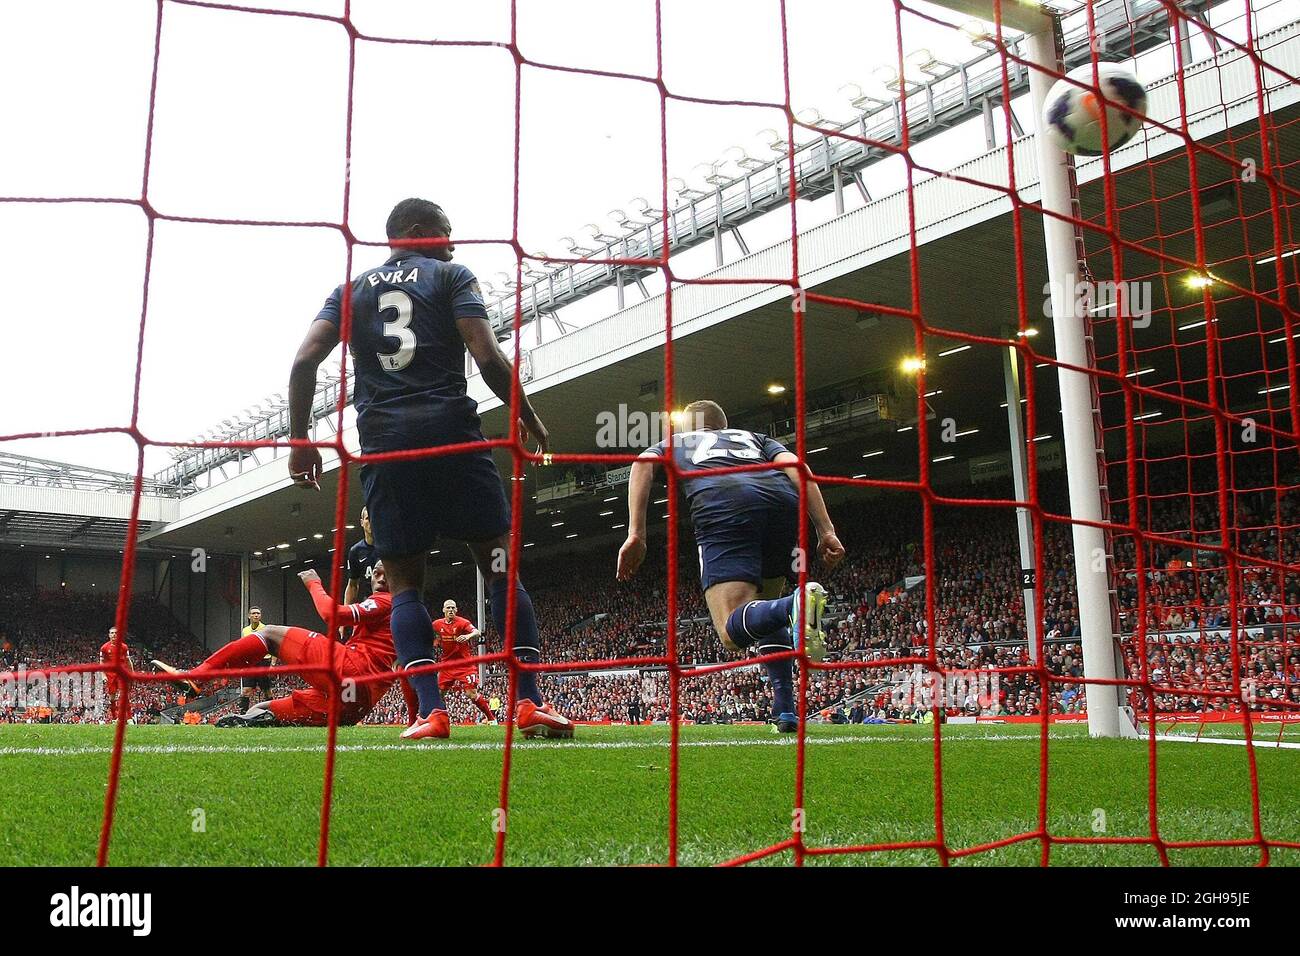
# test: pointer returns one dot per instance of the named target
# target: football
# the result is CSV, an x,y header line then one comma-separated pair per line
x,y
1072,115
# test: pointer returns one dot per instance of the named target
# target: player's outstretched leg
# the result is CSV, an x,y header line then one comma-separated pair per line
x,y
533,715
755,620
189,685
241,652
767,626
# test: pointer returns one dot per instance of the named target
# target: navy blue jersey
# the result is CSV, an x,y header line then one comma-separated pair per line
x,y
362,559
712,496
408,352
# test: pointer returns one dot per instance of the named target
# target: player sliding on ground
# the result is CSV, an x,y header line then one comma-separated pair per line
x,y
369,652
457,636
747,526
412,319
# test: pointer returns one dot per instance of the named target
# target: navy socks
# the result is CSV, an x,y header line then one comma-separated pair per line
x,y
757,620
780,676
765,626
528,643
413,640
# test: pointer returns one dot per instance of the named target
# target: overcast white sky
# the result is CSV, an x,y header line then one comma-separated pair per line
x,y
250,123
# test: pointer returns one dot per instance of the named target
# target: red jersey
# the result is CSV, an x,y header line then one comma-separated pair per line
x,y
448,631
371,634
106,651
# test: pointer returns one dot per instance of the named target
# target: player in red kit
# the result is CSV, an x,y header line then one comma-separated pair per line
x,y
367,653
108,654
457,636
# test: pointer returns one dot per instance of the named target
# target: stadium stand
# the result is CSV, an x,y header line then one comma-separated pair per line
x,y
979,616
42,628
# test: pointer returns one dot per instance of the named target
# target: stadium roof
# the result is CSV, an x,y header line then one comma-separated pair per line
x,y
54,503
946,95
732,341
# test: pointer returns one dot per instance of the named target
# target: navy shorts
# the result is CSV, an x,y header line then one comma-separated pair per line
x,y
413,503
753,542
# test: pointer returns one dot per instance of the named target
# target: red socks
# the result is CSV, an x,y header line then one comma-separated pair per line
x,y
243,652
481,703
412,701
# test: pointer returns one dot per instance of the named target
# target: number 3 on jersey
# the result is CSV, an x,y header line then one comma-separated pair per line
x,y
399,328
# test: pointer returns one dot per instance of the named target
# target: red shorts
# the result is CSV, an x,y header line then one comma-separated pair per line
x,y
464,679
312,707
112,690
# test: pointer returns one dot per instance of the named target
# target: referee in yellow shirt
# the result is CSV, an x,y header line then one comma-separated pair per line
x,y
251,687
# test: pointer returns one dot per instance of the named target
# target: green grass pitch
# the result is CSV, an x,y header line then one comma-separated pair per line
x,y
603,798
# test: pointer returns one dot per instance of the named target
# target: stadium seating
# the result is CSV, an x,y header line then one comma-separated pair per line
x,y
979,619
58,628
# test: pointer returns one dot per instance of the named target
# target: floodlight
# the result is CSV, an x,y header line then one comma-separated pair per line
x,y
573,248
712,173
684,191
644,209
859,99
773,140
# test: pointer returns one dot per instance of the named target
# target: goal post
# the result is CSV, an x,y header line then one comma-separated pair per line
x,y
1091,566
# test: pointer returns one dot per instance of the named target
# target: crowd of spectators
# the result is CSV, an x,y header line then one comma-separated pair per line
x,y
979,616
1184,614
42,628
880,615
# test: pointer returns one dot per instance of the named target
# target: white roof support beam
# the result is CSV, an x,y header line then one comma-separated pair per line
x,y
1028,17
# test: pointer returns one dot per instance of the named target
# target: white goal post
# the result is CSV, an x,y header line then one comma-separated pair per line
x,y
1091,566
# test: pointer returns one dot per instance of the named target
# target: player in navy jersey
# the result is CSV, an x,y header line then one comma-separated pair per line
x,y
747,527
361,560
412,319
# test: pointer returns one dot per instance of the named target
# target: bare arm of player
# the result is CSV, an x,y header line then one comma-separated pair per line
x,y
639,483
829,548
304,461
499,375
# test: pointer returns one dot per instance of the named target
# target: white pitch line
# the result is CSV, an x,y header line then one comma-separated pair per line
x,y
783,741
1235,741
